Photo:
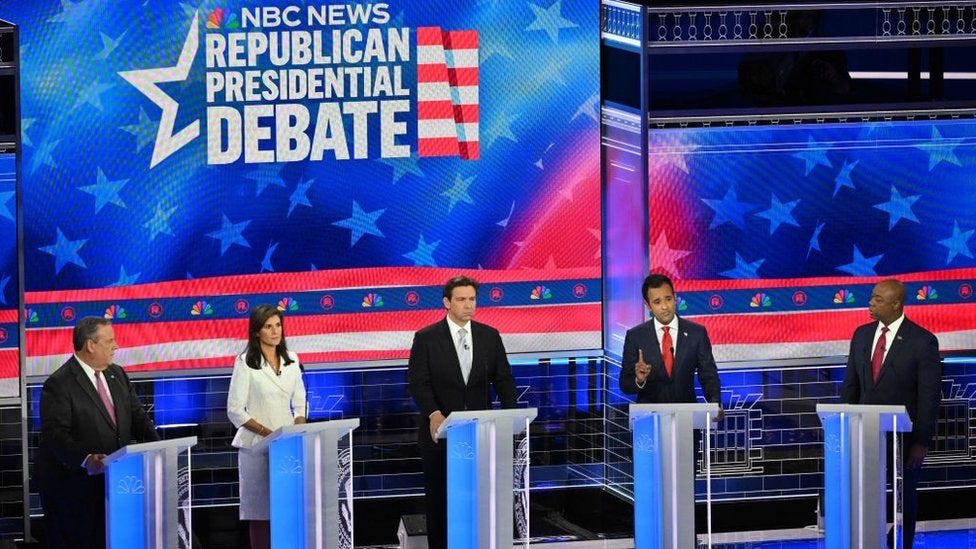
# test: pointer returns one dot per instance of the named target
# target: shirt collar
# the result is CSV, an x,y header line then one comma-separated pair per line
x,y
455,327
673,325
89,371
893,327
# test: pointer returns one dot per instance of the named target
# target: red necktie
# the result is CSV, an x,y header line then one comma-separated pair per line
x,y
877,359
667,350
103,394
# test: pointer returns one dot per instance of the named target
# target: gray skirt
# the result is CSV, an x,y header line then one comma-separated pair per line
x,y
252,471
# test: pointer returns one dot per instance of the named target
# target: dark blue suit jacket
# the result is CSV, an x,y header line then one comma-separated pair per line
x,y
911,375
693,353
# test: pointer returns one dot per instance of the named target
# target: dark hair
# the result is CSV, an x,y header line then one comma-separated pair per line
x,y
259,316
458,282
87,330
655,281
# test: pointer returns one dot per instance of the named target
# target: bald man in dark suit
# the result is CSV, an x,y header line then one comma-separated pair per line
x,y
892,360
89,409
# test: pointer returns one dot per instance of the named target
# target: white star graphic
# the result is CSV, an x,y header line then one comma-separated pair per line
x,y
147,80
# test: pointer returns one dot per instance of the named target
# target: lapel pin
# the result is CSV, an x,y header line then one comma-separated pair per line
x,y
685,334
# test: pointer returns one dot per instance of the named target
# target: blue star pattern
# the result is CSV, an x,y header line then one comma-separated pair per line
x,y
264,176
300,196
779,213
65,251
266,266
814,243
9,294
105,191
860,265
814,155
6,211
459,192
743,268
159,223
729,210
940,150
550,20
843,179
125,279
229,234
423,256
898,208
361,223
957,243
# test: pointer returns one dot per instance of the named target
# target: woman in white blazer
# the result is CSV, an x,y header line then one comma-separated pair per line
x,y
266,392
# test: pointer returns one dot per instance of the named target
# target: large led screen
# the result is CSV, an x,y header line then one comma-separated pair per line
x,y
9,332
776,235
190,160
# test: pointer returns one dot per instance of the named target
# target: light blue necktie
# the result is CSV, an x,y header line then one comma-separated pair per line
x,y
464,354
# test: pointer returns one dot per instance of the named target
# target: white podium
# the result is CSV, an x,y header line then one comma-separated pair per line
x,y
147,495
854,473
311,484
664,472
482,477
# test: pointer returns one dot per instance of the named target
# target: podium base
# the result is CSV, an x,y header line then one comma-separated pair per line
x,y
412,532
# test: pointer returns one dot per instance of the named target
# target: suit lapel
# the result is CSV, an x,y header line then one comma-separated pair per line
x,y
477,345
895,345
680,342
88,388
652,355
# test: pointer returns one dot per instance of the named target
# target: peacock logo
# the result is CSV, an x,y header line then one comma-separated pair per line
x,y
844,296
927,293
372,299
540,292
287,304
201,308
760,300
115,311
222,18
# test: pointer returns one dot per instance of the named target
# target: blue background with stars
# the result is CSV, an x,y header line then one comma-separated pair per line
x,y
8,232
98,216
872,199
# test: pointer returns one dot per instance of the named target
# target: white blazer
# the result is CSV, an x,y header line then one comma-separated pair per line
x,y
273,400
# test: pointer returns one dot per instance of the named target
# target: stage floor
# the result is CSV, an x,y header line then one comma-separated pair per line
x,y
942,534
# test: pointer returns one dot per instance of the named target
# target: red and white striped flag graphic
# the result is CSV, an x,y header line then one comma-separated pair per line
x,y
447,93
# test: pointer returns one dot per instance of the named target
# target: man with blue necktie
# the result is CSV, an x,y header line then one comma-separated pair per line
x,y
452,363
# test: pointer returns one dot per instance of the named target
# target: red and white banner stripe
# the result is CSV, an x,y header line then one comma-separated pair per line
x,y
447,93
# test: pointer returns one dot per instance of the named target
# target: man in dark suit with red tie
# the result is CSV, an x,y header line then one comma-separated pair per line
x,y
895,361
88,410
452,363
662,355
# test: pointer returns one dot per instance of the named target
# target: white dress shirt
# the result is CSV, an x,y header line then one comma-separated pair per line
x,y
889,337
90,372
454,327
659,332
